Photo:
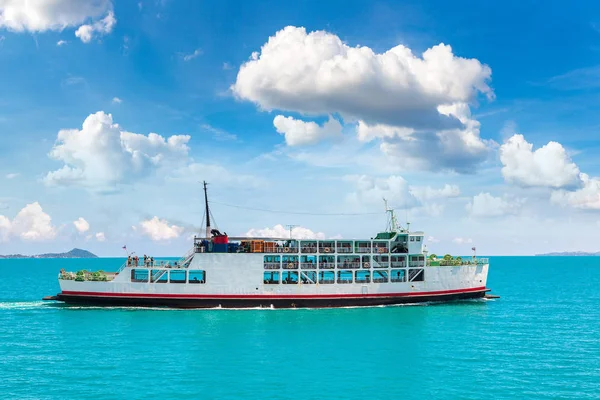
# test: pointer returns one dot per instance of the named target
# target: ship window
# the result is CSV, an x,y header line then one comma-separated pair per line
x,y
398,275
326,262
348,262
197,277
344,277
326,277
309,277
159,276
416,275
344,246
139,275
289,277
381,261
412,238
271,278
177,276
362,277
272,262
380,276
290,262
418,238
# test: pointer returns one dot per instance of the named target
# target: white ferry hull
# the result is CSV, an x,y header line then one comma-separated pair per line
x,y
234,285
208,301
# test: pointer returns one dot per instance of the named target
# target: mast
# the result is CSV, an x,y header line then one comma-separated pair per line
x,y
207,212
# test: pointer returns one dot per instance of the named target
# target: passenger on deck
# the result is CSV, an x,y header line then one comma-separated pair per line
x,y
129,261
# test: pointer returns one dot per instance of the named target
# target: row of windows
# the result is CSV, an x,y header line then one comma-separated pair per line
x,y
171,276
330,277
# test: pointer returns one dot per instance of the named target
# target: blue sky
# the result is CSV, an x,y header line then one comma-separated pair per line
x,y
305,108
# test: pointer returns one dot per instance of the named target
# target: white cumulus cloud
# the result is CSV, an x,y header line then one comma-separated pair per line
x,y
317,73
486,205
55,15
81,225
101,155
30,224
548,166
116,100
100,237
160,230
419,104
191,56
298,132
279,231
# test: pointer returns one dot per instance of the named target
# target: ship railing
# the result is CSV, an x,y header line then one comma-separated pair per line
x,y
326,281
326,265
269,265
483,261
396,279
362,280
352,265
187,256
308,249
290,265
419,264
363,250
380,264
326,249
398,265
287,249
308,266
344,250
380,280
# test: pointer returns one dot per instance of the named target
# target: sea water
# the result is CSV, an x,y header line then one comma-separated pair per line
x,y
541,340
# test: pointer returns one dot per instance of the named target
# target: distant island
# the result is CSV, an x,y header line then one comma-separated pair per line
x,y
75,253
570,253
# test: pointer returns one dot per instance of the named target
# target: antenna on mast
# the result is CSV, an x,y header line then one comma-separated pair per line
x,y
392,222
207,211
291,227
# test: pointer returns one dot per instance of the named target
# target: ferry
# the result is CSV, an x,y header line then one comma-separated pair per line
x,y
393,267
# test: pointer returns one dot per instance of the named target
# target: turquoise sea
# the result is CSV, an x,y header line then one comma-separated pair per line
x,y
541,340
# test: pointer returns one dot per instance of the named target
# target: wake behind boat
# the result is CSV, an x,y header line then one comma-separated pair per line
x,y
243,272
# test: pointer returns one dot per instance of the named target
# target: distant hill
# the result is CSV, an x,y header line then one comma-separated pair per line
x,y
570,253
75,253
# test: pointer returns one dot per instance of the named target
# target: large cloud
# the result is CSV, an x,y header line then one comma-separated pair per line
x,y
102,155
278,231
56,15
419,102
298,132
548,166
31,224
317,73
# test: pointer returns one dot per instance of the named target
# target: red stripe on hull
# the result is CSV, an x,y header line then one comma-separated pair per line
x,y
270,297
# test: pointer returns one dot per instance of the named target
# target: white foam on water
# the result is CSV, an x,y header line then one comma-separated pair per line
x,y
23,305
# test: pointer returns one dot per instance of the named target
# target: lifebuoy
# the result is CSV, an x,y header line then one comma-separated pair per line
x,y
286,250
291,266
327,249
367,265
381,250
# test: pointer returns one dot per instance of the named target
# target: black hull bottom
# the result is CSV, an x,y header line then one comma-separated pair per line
x,y
262,303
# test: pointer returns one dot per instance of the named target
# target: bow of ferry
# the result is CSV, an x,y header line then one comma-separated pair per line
x,y
392,268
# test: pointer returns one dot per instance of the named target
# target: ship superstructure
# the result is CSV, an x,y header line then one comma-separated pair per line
x,y
394,267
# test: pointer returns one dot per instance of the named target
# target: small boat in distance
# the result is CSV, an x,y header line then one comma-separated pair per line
x,y
245,272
